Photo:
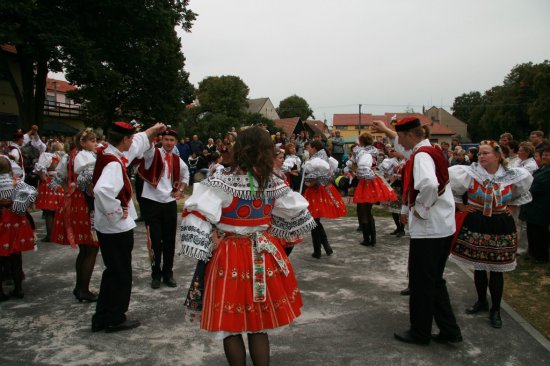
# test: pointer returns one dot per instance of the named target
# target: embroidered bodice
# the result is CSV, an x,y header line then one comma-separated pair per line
x,y
247,212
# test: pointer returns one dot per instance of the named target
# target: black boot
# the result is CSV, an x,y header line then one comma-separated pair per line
x,y
324,241
316,244
372,226
366,235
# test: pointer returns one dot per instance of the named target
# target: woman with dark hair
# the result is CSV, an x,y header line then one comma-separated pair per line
x,y
236,220
472,155
370,188
486,233
324,199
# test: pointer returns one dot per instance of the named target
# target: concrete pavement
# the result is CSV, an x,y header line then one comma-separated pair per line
x,y
351,308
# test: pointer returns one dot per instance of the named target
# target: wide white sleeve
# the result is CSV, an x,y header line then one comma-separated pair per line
x,y
106,189
38,144
83,160
44,161
200,211
315,165
140,144
460,181
425,182
520,190
290,217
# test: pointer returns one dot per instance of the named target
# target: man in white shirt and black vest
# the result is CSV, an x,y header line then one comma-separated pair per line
x,y
429,210
165,177
114,222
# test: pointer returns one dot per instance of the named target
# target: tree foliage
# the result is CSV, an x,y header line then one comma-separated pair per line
x,y
124,55
520,105
222,105
294,106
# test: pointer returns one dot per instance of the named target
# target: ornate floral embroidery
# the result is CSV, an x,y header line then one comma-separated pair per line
x,y
196,243
291,229
238,185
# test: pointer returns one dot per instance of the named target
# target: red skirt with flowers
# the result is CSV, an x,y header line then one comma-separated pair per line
x,y
325,201
71,224
373,190
16,233
230,303
48,199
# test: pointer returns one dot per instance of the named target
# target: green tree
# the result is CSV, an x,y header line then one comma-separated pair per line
x,y
225,95
520,105
123,55
32,27
294,106
129,66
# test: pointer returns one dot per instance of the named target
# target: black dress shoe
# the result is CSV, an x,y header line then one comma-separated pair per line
x,y
400,234
443,338
125,325
96,327
494,317
365,243
86,296
407,337
17,294
329,252
405,292
170,282
315,255
4,297
394,232
477,307
155,283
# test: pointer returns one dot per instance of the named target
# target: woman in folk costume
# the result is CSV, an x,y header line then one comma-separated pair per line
x,y
370,187
392,168
324,199
291,166
49,199
486,233
16,225
236,220
72,222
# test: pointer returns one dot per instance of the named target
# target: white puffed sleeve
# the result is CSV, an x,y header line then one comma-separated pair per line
x,y
43,163
316,165
83,160
460,181
290,217
200,211
520,189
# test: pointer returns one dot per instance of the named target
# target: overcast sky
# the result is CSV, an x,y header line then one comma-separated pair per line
x,y
388,55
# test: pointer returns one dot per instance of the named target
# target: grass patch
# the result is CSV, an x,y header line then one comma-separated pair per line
x,y
527,290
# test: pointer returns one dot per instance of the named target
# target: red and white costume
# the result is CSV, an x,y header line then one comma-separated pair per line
x,y
249,282
48,198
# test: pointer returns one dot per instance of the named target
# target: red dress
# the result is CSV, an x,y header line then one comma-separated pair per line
x,y
325,201
249,283
16,233
373,190
72,224
49,199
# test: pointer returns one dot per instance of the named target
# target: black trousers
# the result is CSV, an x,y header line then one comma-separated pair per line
x,y
538,239
429,297
162,220
116,281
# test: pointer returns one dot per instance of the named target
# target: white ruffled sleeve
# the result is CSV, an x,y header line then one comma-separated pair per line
x,y
290,217
200,211
520,190
460,181
44,161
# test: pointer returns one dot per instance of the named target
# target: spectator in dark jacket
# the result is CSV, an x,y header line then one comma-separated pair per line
x,y
196,145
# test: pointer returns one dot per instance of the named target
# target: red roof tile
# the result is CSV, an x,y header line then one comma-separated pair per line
x,y
367,118
60,86
8,48
287,124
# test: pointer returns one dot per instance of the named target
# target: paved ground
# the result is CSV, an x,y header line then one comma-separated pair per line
x,y
351,308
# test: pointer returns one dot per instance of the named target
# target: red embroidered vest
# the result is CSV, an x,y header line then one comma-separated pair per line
x,y
125,194
153,174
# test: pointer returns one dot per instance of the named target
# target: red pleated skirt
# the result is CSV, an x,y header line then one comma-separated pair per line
x,y
71,224
16,233
373,190
48,199
229,305
325,201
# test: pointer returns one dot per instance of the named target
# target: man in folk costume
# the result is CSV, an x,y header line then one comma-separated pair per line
x,y
114,222
429,209
165,177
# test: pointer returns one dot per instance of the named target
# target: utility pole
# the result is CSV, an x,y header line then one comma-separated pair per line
x,y
359,119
